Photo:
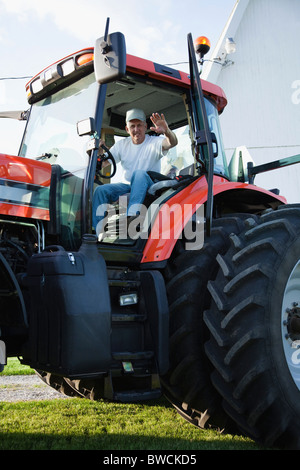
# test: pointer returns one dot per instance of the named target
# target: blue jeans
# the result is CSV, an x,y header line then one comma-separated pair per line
x,y
109,193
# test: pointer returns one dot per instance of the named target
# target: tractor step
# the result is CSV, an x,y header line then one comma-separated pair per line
x,y
134,389
132,396
132,356
128,317
139,328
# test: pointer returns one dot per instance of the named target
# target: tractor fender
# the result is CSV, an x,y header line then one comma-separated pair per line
x,y
175,213
24,187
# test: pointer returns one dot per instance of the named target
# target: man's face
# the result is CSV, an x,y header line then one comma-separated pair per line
x,y
137,130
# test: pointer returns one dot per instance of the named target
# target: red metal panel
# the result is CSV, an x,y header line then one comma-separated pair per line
x,y
146,67
14,210
24,187
25,170
162,239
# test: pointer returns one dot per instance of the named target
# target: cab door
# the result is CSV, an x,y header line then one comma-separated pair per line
x,y
202,134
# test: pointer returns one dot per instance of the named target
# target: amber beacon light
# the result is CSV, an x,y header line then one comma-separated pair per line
x,y
202,46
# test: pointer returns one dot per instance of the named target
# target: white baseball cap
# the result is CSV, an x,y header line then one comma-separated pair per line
x,y
135,113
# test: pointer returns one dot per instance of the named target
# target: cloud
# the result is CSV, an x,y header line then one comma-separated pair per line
x,y
155,30
84,19
150,30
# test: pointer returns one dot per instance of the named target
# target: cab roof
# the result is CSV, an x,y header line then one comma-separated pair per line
x,y
170,75
134,64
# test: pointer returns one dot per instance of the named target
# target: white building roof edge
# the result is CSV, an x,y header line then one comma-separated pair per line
x,y
211,69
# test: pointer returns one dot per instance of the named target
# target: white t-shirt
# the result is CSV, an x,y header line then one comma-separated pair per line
x,y
145,156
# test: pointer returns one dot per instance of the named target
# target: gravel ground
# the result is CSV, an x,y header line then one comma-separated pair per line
x,y
26,388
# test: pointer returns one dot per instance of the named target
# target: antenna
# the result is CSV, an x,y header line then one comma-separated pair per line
x,y
106,30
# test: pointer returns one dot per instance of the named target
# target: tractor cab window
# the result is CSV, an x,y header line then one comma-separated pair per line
x,y
220,162
51,136
179,158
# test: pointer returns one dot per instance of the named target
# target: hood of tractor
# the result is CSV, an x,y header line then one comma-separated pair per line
x,y
24,187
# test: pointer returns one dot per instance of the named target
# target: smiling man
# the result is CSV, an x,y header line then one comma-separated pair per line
x,y
137,154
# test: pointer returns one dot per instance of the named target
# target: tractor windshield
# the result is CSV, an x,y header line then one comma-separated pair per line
x,y
51,136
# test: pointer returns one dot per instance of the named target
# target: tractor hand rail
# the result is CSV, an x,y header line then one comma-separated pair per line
x,y
255,170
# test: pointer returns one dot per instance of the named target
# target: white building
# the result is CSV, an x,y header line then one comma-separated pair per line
x,y
262,83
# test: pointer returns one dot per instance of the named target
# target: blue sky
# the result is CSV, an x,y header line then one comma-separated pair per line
x,y
36,33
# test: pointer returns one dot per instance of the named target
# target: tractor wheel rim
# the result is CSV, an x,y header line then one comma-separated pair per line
x,y
290,323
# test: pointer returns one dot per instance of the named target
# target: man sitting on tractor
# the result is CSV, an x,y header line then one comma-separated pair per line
x,y
138,154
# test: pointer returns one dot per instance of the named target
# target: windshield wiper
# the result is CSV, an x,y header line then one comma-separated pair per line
x,y
44,156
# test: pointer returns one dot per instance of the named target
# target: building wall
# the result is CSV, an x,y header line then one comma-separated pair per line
x,y
263,87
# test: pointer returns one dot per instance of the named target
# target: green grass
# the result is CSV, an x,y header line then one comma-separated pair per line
x,y
14,367
80,424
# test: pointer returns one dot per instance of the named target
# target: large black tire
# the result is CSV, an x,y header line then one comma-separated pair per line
x,y
92,389
60,384
254,322
187,384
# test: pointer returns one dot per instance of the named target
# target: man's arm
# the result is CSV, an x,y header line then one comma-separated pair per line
x,y
161,127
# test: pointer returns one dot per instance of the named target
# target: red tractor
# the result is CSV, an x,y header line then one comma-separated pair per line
x,y
202,306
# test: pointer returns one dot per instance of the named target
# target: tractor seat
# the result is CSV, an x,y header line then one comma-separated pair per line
x,y
162,182
161,185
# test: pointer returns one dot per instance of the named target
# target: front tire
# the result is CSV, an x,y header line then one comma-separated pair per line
x,y
60,384
187,384
255,329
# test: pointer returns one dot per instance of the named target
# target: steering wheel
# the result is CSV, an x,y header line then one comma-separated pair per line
x,y
104,158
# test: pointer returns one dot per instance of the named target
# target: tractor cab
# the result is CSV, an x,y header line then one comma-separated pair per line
x,y
75,102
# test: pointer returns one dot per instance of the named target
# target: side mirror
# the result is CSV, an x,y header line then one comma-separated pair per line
x,y
110,58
